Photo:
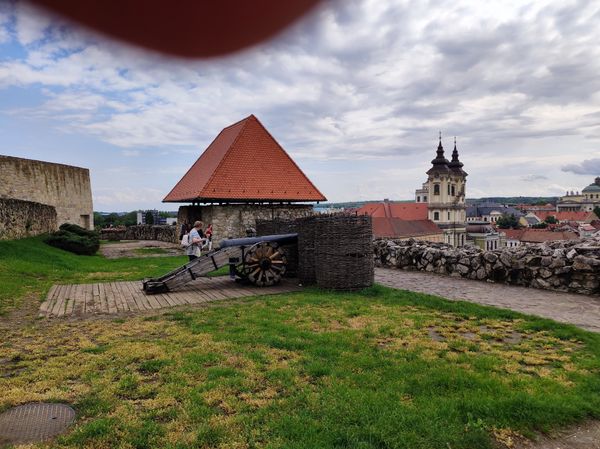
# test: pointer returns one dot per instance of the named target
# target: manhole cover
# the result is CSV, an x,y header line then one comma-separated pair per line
x,y
34,422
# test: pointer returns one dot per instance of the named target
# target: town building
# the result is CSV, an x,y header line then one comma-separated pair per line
x,y
533,208
515,237
578,217
587,200
490,212
444,194
157,218
401,221
242,176
530,219
485,236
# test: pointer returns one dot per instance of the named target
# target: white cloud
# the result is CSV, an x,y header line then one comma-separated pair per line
x,y
364,81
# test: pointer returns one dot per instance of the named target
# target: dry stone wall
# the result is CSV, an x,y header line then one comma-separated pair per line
x,y
20,219
142,232
572,266
65,187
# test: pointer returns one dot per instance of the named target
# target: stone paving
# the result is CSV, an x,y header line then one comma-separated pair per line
x,y
580,310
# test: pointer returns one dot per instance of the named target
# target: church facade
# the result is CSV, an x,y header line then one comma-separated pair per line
x,y
587,200
444,193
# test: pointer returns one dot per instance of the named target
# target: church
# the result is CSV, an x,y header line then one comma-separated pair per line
x,y
444,194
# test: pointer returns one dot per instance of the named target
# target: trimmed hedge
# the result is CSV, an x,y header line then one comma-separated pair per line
x,y
74,239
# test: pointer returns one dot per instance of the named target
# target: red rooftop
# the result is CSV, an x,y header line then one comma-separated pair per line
x,y
244,164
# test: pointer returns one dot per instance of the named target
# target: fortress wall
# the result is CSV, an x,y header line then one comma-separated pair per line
x,y
19,219
66,188
572,265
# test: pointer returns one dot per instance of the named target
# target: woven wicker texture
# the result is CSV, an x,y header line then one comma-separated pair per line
x,y
343,254
276,227
306,250
34,422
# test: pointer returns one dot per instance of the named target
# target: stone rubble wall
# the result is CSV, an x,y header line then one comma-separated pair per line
x,y
570,266
142,232
20,219
163,233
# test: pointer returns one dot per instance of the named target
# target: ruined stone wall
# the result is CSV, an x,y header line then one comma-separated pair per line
x,y
572,266
66,188
162,233
232,220
20,219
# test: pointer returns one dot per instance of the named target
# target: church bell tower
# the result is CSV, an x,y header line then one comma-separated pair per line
x,y
446,195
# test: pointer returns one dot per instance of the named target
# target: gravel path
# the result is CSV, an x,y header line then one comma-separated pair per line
x,y
580,310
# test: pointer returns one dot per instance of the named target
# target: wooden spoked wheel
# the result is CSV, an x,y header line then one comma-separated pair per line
x,y
265,264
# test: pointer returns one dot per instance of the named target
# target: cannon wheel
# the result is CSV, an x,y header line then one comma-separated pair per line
x,y
264,264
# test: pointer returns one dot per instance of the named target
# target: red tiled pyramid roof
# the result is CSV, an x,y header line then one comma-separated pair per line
x,y
244,163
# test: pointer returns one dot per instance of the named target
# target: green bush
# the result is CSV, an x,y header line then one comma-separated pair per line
x,y
75,239
75,229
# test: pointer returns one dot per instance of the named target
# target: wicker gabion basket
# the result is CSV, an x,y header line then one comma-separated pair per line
x,y
306,250
280,226
343,253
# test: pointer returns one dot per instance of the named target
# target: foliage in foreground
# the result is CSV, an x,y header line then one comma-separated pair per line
x,y
377,369
29,267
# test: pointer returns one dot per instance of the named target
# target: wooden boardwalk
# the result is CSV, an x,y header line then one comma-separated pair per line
x,y
80,300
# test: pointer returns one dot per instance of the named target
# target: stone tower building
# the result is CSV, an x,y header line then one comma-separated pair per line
x,y
244,175
444,193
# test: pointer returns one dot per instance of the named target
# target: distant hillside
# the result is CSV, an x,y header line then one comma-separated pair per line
x,y
355,204
515,199
494,199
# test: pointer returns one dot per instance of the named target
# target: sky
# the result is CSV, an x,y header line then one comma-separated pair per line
x,y
356,93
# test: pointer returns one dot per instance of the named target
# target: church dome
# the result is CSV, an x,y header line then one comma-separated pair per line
x,y
594,187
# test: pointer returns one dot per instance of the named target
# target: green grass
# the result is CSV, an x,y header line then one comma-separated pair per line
x,y
309,370
29,266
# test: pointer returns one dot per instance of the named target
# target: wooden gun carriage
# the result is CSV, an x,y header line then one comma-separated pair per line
x,y
258,260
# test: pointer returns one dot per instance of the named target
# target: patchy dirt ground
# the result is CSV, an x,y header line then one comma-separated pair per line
x,y
140,248
583,436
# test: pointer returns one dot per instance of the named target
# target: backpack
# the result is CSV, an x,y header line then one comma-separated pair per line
x,y
185,241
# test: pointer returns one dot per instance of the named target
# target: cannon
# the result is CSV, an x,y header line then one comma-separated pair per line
x,y
258,260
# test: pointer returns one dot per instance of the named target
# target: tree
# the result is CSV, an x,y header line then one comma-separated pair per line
x,y
551,219
129,219
507,221
149,218
542,225
597,211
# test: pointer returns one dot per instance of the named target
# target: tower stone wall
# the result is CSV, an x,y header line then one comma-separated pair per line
x,y
232,220
66,188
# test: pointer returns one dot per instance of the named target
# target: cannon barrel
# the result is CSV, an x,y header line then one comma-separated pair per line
x,y
282,239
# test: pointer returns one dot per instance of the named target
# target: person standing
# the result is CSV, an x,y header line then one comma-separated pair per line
x,y
208,233
194,251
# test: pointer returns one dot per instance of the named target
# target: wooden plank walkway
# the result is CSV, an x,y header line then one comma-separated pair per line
x,y
81,300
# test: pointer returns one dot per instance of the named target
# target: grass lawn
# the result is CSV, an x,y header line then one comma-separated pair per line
x,y
29,266
377,369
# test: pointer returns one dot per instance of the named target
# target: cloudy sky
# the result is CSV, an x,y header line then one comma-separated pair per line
x,y
356,94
